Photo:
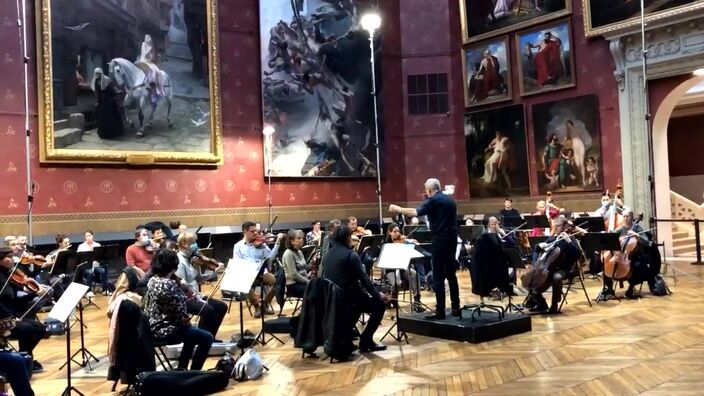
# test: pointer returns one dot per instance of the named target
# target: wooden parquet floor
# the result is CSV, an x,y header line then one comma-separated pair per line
x,y
651,346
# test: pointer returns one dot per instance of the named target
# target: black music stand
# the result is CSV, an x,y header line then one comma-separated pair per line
x,y
593,224
412,229
600,241
85,353
61,312
423,237
394,257
513,256
536,221
470,233
373,244
239,281
512,221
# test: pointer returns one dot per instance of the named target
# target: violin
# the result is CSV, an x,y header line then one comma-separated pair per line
x,y
207,262
190,294
30,259
21,279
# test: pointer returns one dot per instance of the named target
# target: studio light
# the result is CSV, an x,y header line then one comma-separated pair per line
x,y
699,72
268,130
371,22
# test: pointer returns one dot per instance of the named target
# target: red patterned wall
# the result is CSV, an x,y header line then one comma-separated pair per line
x,y
420,36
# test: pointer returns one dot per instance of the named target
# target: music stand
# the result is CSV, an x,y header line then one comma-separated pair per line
x,y
593,224
372,243
600,241
513,256
61,312
411,229
396,256
424,237
536,221
512,221
239,276
85,353
470,233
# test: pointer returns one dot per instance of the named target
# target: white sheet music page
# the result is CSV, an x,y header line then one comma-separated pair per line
x,y
68,301
239,275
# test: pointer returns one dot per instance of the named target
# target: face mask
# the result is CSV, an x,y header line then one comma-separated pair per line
x,y
193,248
145,240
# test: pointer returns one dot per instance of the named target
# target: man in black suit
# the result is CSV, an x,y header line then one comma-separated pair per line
x,y
441,210
344,268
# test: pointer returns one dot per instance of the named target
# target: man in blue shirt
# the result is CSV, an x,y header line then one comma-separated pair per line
x,y
441,210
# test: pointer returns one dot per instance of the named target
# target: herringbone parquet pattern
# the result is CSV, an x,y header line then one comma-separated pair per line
x,y
651,346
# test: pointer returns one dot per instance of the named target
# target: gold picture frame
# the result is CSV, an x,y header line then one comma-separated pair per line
x,y
530,84
520,24
500,49
191,98
634,20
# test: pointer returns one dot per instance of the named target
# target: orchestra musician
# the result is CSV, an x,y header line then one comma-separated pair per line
x,y
253,246
46,276
139,254
18,299
167,313
508,210
12,363
334,224
565,250
441,210
344,268
410,277
314,236
631,230
357,229
96,271
540,210
211,311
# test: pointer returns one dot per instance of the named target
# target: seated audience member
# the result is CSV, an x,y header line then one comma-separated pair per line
x,y
17,301
168,317
212,311
254,248
139,254
294,264
343,268
12,364
96,271
315,236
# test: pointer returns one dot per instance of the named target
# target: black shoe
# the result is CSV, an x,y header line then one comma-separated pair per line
x,y
542,306
553,310
456,312
371,347
436,316
37,367
217,341
630,294
418,308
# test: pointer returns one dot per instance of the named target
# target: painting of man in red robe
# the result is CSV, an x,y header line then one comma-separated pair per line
x,y
487,78
487,72
548,59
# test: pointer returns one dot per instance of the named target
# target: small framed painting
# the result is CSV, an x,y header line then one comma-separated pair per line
x,y
487,72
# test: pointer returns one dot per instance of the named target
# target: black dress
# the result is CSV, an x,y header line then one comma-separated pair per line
x,y
107,112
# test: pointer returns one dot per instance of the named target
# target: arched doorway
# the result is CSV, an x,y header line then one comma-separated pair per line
x,y
661,175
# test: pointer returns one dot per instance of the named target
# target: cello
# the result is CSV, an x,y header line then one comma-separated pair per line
x,y
617,265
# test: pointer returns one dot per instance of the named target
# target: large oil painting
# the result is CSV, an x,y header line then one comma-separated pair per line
x,y
129,81
486,18
497,154
545,58
602,16
567,145
487,72
317,88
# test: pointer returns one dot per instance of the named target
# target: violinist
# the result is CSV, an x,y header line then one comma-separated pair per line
x,y
18,299
410,277
294,263
46,275
629,230
253,247
565,250
315,236
212,311
357,230
139,254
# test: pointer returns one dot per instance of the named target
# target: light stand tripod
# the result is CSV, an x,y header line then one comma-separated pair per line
x,y
371,23
22,25
261,337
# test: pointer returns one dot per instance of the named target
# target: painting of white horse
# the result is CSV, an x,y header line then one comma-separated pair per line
x,y
134,80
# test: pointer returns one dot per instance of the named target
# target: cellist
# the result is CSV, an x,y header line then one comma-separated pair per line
x,y
565,251
628,230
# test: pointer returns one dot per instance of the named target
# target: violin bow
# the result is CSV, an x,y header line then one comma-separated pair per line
x,y
9,277
512,231
212,292
41,298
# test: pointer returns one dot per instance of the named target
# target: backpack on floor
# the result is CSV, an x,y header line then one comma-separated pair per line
x,y
659,287
186,382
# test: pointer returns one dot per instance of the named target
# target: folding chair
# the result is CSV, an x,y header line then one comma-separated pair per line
x,y
576,272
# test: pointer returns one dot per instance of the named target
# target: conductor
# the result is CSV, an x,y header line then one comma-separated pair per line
x,y
441,210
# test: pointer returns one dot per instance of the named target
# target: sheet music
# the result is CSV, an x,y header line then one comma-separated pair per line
x,y
239,275
397,255
68,301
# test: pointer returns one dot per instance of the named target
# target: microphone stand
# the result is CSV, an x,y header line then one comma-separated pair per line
x,y
648,119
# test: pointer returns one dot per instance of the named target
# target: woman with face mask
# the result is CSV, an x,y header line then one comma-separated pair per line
x,y
211,311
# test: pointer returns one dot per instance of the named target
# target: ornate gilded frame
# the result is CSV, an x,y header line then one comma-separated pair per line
x,y
49,154
590,31
509,69
519,64
535,21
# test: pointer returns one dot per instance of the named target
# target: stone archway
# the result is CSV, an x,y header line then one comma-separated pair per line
x,y
661,175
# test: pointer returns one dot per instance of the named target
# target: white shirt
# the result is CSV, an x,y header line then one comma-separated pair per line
x,y
84,247
248,251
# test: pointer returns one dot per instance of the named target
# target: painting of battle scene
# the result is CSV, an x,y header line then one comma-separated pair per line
x,y
317,88
604,15
487,72
132,76
485,18
497,154
567,145
546,59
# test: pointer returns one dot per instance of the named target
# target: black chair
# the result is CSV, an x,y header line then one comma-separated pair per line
x,y
161,354
575,272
